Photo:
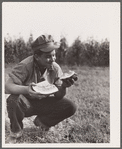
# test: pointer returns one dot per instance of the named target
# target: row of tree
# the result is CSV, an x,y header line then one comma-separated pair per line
x,y
91,52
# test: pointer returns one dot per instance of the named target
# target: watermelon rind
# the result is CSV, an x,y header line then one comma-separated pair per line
x,y
67,75
45,88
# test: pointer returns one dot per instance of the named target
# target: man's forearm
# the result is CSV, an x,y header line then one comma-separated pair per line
x,y
61,93
16,89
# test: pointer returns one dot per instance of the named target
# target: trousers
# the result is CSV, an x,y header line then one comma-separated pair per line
x,y
50,110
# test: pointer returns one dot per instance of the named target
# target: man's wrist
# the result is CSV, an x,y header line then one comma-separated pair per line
x,y
63,86
27,89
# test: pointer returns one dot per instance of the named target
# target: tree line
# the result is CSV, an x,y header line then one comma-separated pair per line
x,y
90,52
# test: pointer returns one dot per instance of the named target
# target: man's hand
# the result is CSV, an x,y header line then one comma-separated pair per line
x,y
34,94
69,81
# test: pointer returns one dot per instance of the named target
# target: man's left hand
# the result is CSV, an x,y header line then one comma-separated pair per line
x,y
67,82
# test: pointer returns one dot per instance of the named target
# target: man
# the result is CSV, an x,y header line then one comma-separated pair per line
x,y
25,102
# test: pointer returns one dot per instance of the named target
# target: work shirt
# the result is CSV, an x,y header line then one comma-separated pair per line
x,y
27,71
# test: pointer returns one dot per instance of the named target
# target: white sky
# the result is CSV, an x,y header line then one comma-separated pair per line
x,y
71,19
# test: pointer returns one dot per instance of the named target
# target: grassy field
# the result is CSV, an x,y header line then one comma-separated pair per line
x,y
90,123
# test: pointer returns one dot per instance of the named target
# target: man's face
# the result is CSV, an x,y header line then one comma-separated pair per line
x,y
46,59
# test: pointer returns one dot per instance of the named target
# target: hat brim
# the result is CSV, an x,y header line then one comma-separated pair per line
x,y
49,48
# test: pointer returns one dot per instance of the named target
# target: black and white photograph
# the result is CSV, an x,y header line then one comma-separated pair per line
x,y
60,74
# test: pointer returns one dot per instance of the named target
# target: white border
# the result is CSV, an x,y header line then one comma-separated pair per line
x,y
114,92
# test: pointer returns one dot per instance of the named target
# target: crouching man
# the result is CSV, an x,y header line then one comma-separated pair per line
x,y
25,102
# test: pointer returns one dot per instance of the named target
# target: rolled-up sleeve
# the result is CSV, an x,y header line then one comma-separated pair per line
x,y
19,74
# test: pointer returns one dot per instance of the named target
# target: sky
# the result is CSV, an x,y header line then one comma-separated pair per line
x,y
68,19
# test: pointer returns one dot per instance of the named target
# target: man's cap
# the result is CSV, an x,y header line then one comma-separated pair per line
x,y
45,43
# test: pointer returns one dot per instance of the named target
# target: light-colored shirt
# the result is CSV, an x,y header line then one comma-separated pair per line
x,y
27,72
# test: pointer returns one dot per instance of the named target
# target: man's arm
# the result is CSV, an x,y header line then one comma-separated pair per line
x,y
62,85
61,93
12,88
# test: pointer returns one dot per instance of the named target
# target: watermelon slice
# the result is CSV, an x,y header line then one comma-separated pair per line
x,y
67,75
45,88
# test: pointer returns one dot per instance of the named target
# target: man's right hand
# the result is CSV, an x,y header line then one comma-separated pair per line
x,y
34,94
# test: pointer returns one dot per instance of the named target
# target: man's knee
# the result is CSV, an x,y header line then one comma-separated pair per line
x,y
18,101
11,99
11,105
71,106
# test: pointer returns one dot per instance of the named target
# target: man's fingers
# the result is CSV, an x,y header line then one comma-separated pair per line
x,y
33,84
69,81
37,95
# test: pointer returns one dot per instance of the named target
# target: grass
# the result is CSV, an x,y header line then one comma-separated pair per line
x,y
90,123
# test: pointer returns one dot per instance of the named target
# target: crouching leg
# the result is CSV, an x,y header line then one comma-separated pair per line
x,y
52,111
17,107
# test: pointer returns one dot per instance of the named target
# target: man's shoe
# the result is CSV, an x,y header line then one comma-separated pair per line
x,y
16,134
37,122
11,140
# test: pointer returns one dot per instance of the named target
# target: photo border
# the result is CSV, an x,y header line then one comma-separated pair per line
x,y
2,59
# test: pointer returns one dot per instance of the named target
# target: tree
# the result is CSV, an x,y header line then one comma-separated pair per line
x,y
61,52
